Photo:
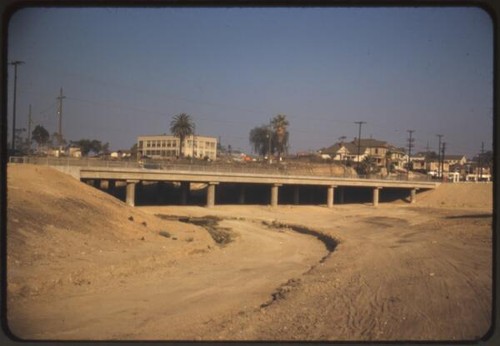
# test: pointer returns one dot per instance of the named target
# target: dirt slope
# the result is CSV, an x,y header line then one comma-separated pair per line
x,y
458,195
60,231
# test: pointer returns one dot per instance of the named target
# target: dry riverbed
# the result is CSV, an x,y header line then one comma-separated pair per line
x,y
82,265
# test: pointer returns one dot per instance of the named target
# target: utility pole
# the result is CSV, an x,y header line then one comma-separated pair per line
x,y
481,157
360,123
59,112
30,121
269,135
439,157
15,64
443,149
410,146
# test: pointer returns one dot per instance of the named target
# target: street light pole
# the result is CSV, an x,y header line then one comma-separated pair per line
x,y
14,63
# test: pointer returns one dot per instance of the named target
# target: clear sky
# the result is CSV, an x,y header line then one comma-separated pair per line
x,y
126,72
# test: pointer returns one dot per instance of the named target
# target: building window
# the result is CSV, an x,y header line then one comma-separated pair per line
x,y
140,144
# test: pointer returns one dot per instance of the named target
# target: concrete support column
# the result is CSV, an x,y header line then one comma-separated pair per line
x,y
184,192
296,195
159,192
376,196
329,196
274,195
413,196
111,187
130,198
211,195
241,197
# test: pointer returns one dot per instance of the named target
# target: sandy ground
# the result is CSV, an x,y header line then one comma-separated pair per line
x,y
83,266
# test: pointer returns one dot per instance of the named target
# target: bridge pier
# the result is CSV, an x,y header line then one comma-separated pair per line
x,y
341,195
296,194
241,196
184,192
211,194
274,194
111,186
130,197
160,191
413,196
376,191
330,195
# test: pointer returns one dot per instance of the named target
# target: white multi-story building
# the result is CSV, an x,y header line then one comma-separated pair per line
x,y
168,146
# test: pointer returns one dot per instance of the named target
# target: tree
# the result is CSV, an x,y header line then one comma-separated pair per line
x,y
279,124
368,166
182,126
57,139
40,135
91,145
261,139
133,151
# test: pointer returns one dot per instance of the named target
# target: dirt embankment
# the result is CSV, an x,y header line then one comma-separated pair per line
x,y
458,195
65,233
82,265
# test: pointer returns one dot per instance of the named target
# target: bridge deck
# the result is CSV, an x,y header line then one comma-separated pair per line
x,y
248,178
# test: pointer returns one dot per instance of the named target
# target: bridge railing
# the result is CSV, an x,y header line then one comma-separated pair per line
x,y
215,167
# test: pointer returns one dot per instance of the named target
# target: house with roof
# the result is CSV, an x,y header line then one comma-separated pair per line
x,y
348,151
454,160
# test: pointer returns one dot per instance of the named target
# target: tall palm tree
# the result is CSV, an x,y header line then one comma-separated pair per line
x,y
182,126
279,124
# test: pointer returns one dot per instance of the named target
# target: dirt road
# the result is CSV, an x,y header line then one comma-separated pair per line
x,y
85,266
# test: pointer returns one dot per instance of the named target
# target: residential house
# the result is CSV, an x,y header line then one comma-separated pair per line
x,y
397,158
120,154
74,151
365,147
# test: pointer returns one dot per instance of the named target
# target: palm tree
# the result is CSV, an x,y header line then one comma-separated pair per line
x,y
279,124
182,126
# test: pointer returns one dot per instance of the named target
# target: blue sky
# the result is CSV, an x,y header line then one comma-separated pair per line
x,y
126,72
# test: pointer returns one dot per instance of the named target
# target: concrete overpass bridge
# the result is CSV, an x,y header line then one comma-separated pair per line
x,y
214,180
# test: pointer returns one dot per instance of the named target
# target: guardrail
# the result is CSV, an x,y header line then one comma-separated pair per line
x,y
215,167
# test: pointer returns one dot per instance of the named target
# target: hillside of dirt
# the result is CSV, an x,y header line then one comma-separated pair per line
x,y
82,265
53,219
459,195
